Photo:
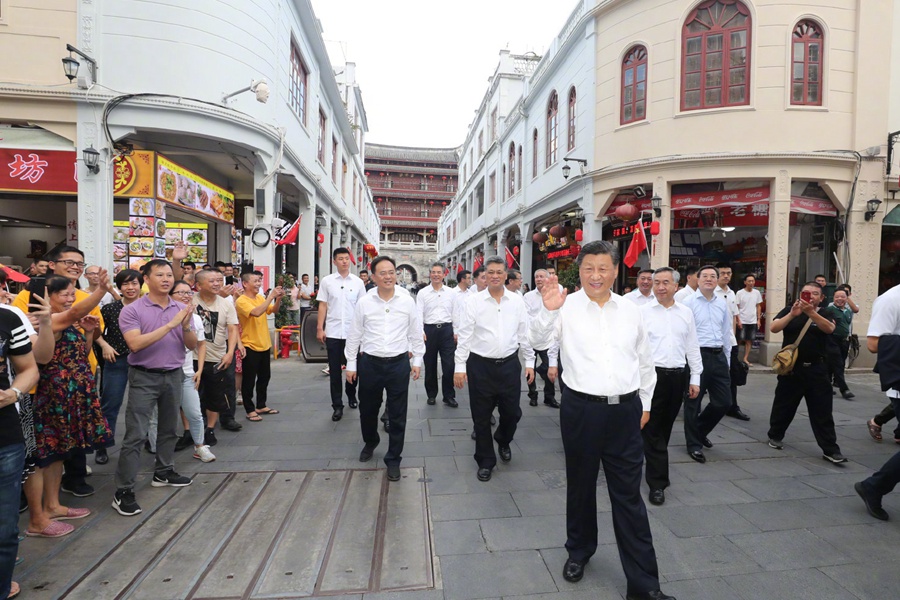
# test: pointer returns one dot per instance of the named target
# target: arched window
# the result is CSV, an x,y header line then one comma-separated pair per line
x,y
519,182
552,128
571,137
534,154
806,64
716,56
512,168
634,86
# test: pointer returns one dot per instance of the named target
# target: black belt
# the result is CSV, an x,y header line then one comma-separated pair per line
x,y
667,371
496,361
605,399
154,371
711,350
438,325
386,359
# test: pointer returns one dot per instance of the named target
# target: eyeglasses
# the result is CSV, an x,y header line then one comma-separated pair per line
x,y
89,273
72,263
183,293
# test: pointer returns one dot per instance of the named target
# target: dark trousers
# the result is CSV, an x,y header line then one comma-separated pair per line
x,y
887,477
886,415
734,358
715,379
217,391
541,369
336,360
595,433
810,382
439,340
112,392
12,461
377,376
667,399
837,358
257,373
493,383
74,468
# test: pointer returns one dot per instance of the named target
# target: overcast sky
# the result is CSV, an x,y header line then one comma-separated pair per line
x,y
423,65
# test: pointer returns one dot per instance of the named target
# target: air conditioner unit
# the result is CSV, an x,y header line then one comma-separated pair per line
x,y
249,217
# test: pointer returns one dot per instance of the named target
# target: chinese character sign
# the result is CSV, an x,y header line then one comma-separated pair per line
x,y
38,171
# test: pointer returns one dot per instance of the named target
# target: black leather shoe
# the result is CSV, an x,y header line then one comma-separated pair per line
x,y
505,453
184,441
848,395
551,402
698,456
451,402
872,505
431,401
385,423
573,570
101,457
393,472
738,414
654,595
484,474
366,454
232,425
657,497
706,443
337,414
532,399
352,403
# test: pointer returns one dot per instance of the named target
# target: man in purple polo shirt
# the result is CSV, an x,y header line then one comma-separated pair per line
x,y
157,329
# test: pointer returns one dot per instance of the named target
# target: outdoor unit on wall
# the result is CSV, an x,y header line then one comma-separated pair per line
x,y
249,219
259,203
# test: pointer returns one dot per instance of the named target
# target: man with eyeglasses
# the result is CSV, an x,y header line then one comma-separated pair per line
x,y
68,261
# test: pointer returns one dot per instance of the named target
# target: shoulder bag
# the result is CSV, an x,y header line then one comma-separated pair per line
x,y
784,360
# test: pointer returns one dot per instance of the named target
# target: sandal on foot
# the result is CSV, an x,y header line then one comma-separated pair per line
x,y
54,530
73,513
874,430
14,590
268,411
254,417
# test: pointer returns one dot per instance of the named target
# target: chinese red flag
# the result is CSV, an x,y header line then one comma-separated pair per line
x,y
510,261
638,245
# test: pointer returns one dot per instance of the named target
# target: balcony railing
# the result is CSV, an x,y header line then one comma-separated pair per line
x,y
393,245
401,183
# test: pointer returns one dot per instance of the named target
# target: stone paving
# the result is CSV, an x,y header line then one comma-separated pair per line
x,y
752,523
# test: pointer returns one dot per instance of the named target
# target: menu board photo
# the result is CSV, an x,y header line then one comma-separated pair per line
x,y
141,238
194,235
178,186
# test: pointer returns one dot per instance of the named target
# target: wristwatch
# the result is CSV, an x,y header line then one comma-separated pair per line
x,y
20,395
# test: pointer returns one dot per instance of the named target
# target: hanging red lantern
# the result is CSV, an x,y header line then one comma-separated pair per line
x,y
627,212
444,177
516,250
539,238
370,250
382,174
443,204
558,231
320,238
367,173
579,235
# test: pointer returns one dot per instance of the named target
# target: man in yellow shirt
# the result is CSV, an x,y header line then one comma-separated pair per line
x,y
68,262
252,309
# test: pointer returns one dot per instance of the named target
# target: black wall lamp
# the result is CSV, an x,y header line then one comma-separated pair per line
x,y
872,208
656,205
567,169
91,159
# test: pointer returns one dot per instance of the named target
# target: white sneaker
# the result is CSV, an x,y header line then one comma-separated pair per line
x,y
204,454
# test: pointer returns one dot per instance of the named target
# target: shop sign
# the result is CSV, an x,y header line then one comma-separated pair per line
x,y
626,230
813,206
754,215
133,175
721,198
38,171
188,191
571,251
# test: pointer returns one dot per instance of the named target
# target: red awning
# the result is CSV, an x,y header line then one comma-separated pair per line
x,y
813,206
721,198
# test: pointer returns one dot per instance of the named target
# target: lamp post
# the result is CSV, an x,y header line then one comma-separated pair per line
x,y
71,66
566,169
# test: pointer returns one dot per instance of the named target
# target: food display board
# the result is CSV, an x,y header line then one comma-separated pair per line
x,y
237,246
194,235
141,238
188,191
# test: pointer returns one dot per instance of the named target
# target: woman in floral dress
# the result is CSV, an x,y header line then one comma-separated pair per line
x,y
67,413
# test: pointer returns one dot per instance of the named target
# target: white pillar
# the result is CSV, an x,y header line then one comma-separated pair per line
x,y
777,260
659,244
525,249
264,257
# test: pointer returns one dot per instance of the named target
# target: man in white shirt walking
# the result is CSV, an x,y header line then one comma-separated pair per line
x,y
547,352
435,304
385,328
749,303
673,336
609,381
514,281
737,369
492,331
714,330
690,285
338,295
643,293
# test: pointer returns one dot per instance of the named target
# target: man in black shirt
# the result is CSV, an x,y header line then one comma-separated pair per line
x,y
809,378
15,358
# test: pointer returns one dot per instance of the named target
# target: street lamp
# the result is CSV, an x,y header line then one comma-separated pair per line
x,y
71,65
656,205
566,169
91,159
872,208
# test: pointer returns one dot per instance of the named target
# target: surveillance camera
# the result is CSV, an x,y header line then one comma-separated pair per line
x,y
261,89
639,192
873,151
